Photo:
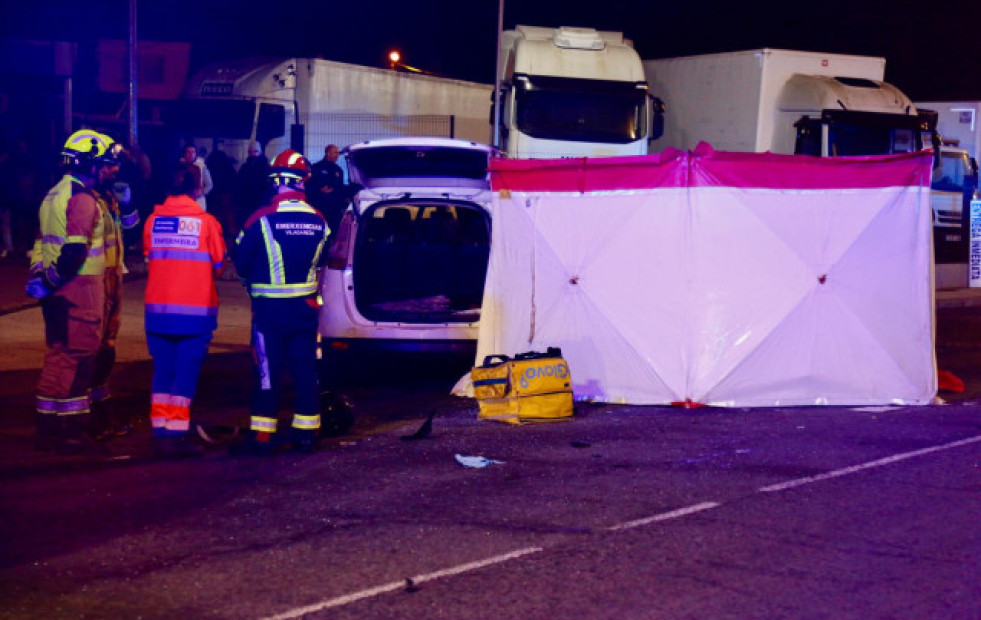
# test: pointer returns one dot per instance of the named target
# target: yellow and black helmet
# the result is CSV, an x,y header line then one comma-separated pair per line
x,y
87,147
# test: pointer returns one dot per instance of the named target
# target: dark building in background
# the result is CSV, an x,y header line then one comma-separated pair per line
x,y
36,91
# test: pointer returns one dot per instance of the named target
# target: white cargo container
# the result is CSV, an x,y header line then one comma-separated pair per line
x,y
959,123
783,101
333,103
573,92
812,103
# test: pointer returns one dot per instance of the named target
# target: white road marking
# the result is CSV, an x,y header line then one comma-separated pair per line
x,y
871,464
399,585
664,516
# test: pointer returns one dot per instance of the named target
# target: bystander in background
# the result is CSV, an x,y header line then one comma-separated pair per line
x,y
252,186
190,156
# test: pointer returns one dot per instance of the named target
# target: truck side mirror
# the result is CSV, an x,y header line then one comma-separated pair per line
x,y
657,123
935,144
971,180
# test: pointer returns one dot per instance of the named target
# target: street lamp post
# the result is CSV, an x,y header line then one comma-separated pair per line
x,y
496,105
133,117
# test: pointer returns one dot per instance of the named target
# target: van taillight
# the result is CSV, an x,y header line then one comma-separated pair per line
x,y
341,245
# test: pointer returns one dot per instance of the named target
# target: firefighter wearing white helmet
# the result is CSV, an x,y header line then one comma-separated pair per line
x,y
278,255
67,270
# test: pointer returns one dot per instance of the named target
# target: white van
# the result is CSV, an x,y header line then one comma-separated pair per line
x,y
406,268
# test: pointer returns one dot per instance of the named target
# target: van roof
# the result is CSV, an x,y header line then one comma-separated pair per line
x,y
420,141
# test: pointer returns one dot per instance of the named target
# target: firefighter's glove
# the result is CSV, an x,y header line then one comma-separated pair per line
x,y
37,288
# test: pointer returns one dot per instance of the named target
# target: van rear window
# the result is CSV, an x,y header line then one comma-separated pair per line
x,y
420,162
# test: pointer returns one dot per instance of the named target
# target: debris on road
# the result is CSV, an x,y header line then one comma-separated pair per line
x,y
476,461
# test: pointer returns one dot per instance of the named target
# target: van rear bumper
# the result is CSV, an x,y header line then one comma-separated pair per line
x,y
391,345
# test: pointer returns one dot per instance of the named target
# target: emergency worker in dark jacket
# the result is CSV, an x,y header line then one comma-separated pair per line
x,y
325,189
278,255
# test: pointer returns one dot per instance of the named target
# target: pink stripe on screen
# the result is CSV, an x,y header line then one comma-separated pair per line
x,y
705,167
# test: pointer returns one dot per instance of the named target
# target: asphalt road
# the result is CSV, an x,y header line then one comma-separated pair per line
x,y
624,512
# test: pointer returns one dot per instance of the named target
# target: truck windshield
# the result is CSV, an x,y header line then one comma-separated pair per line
x,y
864,133
950,175
859,140
554,108
231,119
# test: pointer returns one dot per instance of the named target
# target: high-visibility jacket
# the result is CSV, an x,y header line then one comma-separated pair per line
x,y
281,247
61,226
185,249
115,223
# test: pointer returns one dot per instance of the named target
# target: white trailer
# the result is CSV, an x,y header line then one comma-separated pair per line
x,y
316,102
573,92
785,102
959,123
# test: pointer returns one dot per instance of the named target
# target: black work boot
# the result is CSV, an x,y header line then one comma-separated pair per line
x,y
48,432
75,441
100,423
119,425
177,447
107,421
304,441
255,444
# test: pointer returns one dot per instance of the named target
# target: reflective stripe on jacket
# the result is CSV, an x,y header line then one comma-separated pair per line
x,y
67,217
185,249
113,237
281,247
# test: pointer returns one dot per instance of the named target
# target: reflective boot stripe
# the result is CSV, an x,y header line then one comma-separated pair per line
x,y
263,425
306,422
63,406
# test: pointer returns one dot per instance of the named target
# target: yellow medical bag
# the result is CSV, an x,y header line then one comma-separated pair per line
x,y
530,387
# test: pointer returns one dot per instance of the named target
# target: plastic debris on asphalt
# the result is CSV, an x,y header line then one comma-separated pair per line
x,y
878,409
476,461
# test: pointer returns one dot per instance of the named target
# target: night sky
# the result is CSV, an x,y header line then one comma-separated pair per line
x,y
932,49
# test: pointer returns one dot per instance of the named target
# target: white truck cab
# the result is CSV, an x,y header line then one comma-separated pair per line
x,y
573,92
406,268
952,186
951,176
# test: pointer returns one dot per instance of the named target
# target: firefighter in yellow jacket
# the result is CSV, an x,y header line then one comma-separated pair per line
x,y
68,270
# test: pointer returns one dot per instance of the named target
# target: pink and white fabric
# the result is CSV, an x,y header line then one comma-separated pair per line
x,y
727,279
